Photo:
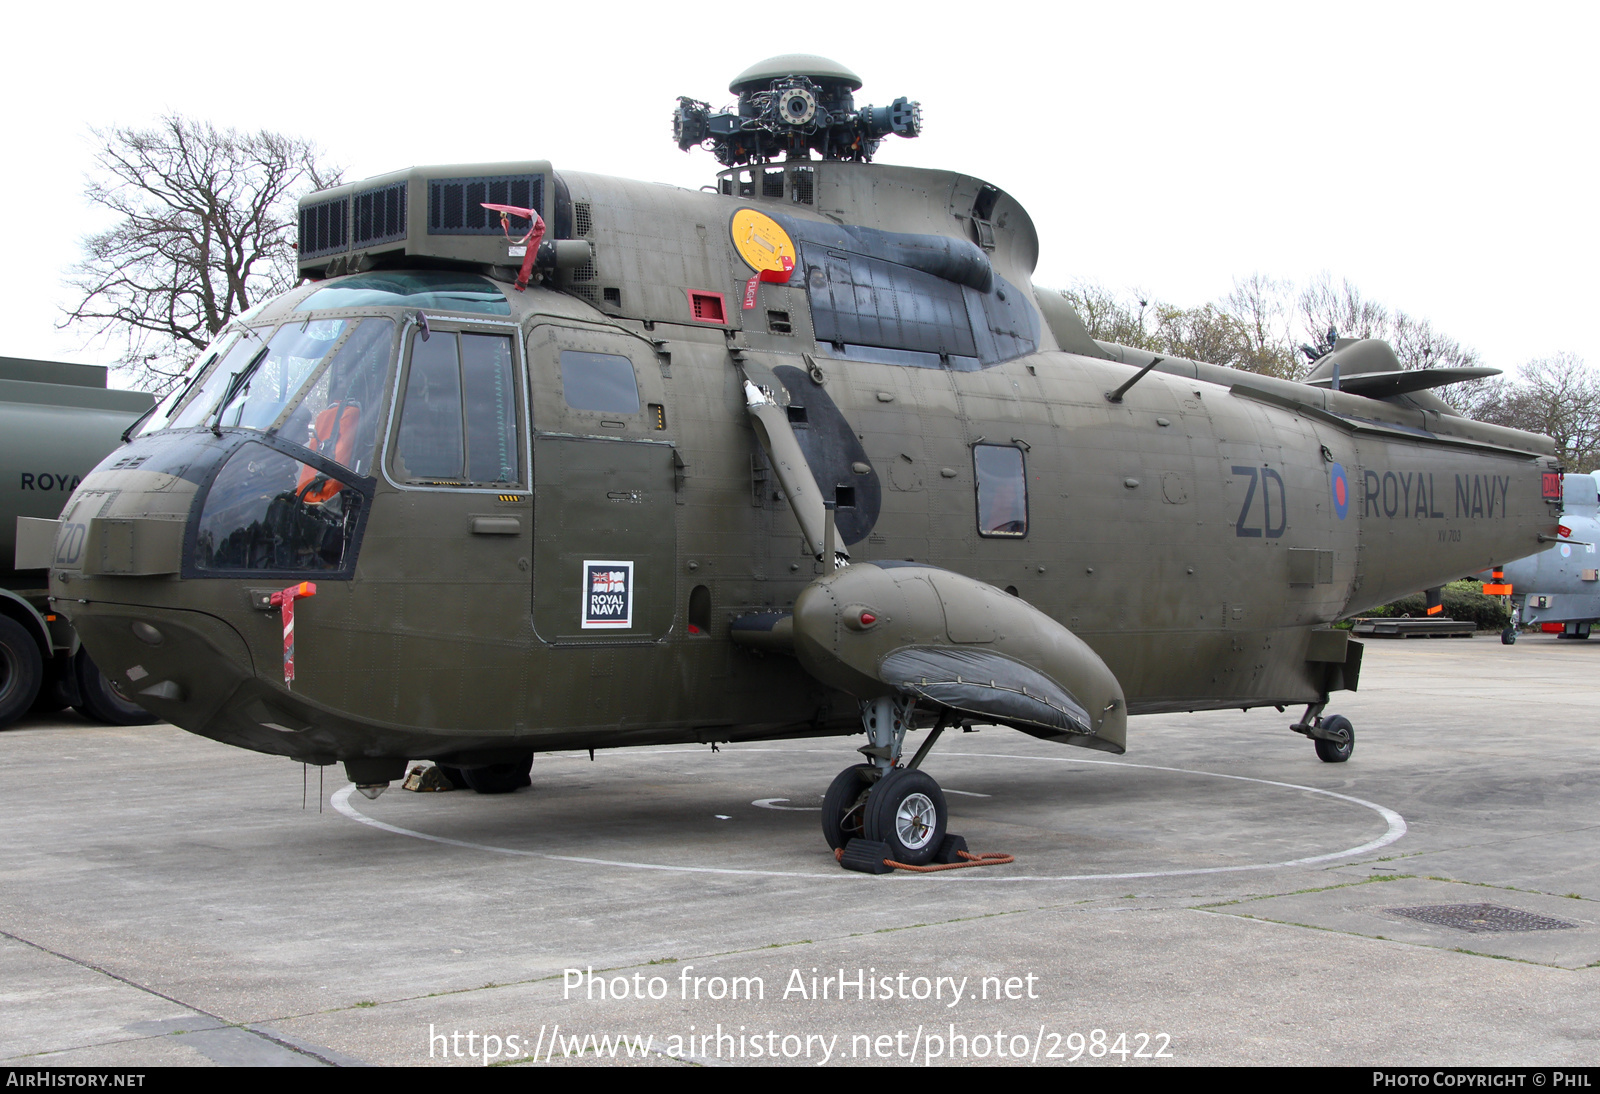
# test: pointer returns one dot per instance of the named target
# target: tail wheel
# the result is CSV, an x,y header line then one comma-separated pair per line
x,y
21,670
844,805
1336,752
906,810
102,699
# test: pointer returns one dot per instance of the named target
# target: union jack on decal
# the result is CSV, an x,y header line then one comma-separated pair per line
x,y
607,594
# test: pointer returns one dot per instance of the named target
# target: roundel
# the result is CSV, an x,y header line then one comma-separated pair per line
x,y
1566,550
1341,491
761,242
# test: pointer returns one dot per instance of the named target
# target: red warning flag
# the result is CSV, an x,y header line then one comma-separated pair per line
x,y
531,241
776,277
285,600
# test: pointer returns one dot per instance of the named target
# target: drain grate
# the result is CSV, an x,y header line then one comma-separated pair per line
x,y
1482,918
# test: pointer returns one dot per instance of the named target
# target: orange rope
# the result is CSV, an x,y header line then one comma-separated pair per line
x,y
991,858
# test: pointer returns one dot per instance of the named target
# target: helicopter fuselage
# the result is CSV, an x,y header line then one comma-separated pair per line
x,y
534,519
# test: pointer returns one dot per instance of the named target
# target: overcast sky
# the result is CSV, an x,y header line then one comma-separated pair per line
x,y
1440,156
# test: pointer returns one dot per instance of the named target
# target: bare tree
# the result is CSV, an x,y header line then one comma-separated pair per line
x,y
1262,306
205,229
1205,333
1110,317
1239,332
1558,396
1418,345
1325,307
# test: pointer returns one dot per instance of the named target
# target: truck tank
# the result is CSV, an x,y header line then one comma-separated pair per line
x,y
57,421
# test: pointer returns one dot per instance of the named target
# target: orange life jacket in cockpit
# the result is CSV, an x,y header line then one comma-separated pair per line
x,y
333,435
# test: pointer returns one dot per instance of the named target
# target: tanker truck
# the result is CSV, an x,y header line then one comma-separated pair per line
x,y
57,421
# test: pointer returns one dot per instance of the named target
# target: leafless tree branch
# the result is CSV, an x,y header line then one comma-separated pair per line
x,y
206,229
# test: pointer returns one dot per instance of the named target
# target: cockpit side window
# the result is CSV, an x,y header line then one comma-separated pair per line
x,y
458,421
199,404
1002,485
163,416
266,511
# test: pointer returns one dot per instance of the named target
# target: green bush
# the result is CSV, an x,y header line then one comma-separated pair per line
x,y
1462,600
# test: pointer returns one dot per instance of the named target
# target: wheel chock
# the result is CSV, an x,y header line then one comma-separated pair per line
x,y
867,856
951,849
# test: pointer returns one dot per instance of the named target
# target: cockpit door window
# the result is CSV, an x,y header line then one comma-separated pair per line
x,y
458,416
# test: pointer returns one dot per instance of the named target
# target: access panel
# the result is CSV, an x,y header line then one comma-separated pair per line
x,y
604,567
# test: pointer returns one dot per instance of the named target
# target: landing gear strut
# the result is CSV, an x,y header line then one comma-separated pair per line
x,y
1334,736
880,802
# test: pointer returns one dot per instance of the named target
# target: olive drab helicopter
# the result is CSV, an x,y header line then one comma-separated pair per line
x,y
539,459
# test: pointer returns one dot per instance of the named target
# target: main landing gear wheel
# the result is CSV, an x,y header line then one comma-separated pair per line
x,y
454,775
1508,637
1336,752
844,805
907,811
500,778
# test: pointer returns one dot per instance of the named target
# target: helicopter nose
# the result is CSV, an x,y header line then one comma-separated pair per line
x,y
181,666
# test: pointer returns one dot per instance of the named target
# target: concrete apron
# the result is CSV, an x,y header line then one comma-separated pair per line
x,y
1218,895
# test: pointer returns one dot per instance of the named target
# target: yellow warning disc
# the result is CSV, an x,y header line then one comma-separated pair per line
x,y
760,241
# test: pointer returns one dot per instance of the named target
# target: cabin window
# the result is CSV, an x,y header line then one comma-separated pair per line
x,y
1002,486
458,423
599,381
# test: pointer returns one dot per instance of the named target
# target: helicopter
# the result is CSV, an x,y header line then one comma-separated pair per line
x,y
536,459
1559,588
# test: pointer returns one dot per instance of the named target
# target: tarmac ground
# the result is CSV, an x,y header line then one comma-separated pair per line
x,y
1216,896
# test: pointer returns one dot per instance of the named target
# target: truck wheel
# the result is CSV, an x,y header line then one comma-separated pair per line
x,y
21,670
103,700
